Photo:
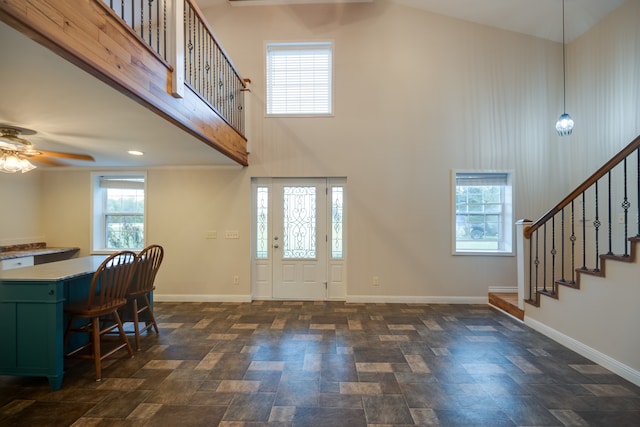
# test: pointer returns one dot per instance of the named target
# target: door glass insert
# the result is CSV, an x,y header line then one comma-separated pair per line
x,y
262,222
299,222
336,222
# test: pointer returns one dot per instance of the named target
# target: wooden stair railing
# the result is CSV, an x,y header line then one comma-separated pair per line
x,y
567,240
91,35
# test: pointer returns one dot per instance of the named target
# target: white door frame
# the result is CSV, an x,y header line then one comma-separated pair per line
x,y
262,240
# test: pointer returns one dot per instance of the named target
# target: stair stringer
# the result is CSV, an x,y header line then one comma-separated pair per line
x,y
601,272
598,318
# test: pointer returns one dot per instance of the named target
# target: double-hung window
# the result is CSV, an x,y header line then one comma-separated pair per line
x,y
118,211
483,214
299,78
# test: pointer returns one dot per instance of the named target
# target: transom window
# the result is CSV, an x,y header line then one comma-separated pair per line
x,y
483,220
299,78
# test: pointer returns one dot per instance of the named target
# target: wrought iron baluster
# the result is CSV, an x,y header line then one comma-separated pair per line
x,y
610,252
150,25
537,262
164,32
584,235
544,259
530,269
638,188
596,226
625,206
553,254
142,19
562,246
573,245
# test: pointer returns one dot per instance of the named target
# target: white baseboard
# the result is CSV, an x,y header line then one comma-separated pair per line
x,y
602,359
378,299
504,289
201,298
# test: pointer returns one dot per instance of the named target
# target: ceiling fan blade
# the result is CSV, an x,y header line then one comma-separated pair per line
x,y
61,155
46,161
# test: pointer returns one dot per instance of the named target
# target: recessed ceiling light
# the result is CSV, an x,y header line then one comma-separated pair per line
x,y
135,153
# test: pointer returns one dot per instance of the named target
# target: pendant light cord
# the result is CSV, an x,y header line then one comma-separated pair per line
x,y
564,72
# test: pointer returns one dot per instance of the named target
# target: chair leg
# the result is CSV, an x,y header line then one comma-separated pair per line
x,y
151,316
122,334
95,331
136,328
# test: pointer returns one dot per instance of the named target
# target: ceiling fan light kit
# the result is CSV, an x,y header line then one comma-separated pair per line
x,y
16,152
11,162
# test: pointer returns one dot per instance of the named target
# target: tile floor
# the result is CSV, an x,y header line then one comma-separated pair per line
x,y
331,364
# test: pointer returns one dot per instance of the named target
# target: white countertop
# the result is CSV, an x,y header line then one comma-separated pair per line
x,y
54,271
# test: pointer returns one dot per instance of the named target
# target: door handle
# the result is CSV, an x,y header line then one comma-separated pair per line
x,y
276,246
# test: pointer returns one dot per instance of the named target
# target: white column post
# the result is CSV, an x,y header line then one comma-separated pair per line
x,y
522,254
176,46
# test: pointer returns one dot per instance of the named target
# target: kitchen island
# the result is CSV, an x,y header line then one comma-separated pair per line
x,y
32,314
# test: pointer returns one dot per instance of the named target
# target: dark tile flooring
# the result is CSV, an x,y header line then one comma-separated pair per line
x,y
331,364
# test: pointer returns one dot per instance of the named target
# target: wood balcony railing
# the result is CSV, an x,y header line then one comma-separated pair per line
x,y
161,53
598,220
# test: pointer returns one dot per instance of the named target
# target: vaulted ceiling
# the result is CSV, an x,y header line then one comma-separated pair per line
x,y
72,111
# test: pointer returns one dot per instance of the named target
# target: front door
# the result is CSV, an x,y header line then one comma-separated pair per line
x,y
299,239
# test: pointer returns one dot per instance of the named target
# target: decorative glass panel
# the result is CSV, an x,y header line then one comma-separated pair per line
x,y
299,222
336,222
262,222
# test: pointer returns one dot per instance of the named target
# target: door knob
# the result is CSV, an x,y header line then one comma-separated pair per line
x,y
276,246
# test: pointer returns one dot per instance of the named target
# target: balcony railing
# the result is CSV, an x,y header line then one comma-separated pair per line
x,y
206,68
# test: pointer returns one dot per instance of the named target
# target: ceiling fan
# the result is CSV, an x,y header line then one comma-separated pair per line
x,y
16,152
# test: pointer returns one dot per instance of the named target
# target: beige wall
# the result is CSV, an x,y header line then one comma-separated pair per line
x,y
20,208
599,320
416,96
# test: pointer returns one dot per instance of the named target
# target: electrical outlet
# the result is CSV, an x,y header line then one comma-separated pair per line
x,y
236,280
232,234
211,234
376,281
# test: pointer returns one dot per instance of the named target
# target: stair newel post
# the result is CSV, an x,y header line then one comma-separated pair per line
x,y
523,252
573,243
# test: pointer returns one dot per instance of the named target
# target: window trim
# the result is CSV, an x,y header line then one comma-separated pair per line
x,y
98,211
507,225
301,44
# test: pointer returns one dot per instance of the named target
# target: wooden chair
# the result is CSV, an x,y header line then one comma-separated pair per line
x,y
148,261
97,315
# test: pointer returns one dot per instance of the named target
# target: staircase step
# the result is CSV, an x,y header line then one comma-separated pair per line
x,y
507,302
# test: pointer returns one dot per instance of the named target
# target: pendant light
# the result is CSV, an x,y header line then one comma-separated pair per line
x,y
564,125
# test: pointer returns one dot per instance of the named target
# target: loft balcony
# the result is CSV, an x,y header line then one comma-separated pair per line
x,y
160,53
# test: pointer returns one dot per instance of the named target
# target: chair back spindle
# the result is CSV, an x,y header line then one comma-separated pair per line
x,y
111,280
